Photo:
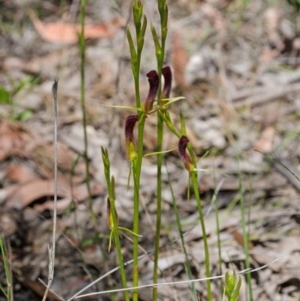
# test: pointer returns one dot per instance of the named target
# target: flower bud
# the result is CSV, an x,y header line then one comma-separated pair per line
x,y
153,80
110,220
187,160
129,137
137,13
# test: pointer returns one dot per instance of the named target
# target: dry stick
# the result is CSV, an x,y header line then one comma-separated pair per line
x,y
51,247
260,95
288,171
102,277
243,272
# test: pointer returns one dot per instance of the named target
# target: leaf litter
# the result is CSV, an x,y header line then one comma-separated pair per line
x,y
239,72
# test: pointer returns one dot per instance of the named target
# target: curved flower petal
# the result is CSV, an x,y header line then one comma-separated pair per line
x,y
129,137
187,160
167,74
153,80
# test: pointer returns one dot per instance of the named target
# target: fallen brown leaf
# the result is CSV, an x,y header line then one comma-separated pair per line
x,y
14,139
20,196
265,143
61,32
19,173
240,239
27,193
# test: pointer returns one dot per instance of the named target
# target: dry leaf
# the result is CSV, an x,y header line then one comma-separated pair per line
x,y
238,236
27,193
19,173
265,142
14,140
20,196
61,32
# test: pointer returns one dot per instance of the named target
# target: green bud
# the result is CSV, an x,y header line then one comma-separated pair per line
x,y
106,163
233,284
137,13
156,42
131,46
105,157
161,7
141,36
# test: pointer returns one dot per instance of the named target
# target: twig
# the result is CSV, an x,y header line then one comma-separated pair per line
x,y
243,272
103,276
257,96
51,246
288,171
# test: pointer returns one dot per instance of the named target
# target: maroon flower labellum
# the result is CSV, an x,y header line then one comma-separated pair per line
x,y
153,80
187,160
129,137
167,73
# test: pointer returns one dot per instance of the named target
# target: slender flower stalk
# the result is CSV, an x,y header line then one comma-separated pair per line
x,y
140,22
159,44
190,164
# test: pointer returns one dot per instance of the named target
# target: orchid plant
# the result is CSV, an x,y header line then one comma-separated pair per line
x,y
157,101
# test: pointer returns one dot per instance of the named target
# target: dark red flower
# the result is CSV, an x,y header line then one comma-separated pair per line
x,y
186,158
153,80
167,74
129,137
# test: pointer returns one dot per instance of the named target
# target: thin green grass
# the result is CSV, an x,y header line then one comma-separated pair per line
x,y
8,291
245,234
160,55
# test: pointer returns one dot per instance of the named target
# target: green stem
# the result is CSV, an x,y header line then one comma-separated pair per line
x,y
194,178
216,201
83,109
179,226
245,234
158,204
160,134
6,269
118,247
136,171
115,231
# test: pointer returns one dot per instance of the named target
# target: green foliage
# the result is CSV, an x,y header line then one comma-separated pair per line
x,y
8,291
233,284
4,96
295,4
7,97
